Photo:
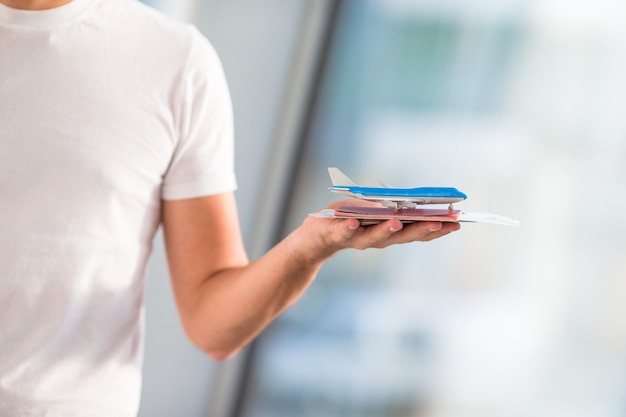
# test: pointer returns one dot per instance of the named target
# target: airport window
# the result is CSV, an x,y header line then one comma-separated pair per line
x,y
520,104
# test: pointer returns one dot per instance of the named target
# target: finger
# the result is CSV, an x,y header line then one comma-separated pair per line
x,y
422,232
446,228
345,231
416,231
376,236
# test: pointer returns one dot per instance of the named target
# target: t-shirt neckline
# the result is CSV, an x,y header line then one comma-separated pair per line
x,y
44,19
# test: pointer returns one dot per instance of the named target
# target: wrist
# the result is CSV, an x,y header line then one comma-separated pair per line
x,y
309,249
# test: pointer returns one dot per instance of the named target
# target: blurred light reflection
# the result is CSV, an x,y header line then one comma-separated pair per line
x,y
520,104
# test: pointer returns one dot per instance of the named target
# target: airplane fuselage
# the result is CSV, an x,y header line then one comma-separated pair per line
x,y
420,195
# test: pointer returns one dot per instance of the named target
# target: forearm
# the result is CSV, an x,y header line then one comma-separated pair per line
x,y
233,305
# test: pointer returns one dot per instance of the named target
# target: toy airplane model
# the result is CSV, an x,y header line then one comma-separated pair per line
x,y
401,204
396,198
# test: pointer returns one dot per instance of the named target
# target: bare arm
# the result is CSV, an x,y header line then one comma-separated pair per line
x,y
223,300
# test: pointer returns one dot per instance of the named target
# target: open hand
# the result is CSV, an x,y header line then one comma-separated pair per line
x,y
324,237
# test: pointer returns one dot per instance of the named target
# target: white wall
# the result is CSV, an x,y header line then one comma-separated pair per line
x,y
256,41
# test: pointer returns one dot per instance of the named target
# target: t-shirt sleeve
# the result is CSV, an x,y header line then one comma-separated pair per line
x,y
203,159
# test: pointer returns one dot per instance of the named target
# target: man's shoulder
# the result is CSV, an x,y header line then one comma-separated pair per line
x,y
149,37
138,19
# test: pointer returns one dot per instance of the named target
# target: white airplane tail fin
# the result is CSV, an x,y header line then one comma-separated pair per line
x,y
338,178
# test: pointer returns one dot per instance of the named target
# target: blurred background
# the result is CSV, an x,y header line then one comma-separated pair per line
x,y
521,104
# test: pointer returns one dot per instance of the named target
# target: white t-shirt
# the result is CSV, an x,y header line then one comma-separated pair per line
x,y
106,107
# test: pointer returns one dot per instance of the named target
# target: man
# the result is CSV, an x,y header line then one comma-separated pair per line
x,y
115,120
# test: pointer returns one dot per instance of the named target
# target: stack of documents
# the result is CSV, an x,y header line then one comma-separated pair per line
x,y
369,215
